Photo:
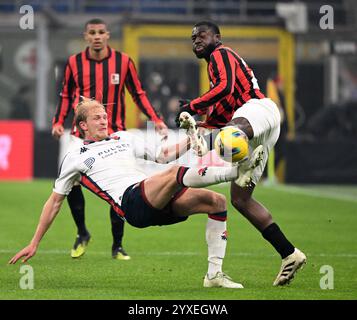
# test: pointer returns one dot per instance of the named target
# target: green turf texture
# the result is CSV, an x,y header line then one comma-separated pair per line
x,y
170,262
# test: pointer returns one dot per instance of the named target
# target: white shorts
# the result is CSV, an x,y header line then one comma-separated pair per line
x,y
264,117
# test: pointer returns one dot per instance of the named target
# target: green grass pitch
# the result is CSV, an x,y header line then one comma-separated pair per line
x,y
170,262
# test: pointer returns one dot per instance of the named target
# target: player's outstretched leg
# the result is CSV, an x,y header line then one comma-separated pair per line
x,y
161,189
76,203
205,176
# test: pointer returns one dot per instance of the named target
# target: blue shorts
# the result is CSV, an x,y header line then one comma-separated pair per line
x,y
141,214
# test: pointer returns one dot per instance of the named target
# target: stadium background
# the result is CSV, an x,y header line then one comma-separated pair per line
x,y
312,70
316,69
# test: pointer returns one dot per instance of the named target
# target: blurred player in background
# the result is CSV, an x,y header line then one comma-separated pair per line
x,y
102,73
235,99
161,199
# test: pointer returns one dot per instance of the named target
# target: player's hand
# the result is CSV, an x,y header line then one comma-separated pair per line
x,y
203,129
57,131
201,124
184,105
161,128
27,252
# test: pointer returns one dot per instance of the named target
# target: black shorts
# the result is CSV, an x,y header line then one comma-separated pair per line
x,y
140,214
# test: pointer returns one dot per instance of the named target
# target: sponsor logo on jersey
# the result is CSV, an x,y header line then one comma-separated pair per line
x,y
115,79
114,149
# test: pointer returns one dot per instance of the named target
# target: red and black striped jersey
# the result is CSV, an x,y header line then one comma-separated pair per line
x,y
103,80
232,83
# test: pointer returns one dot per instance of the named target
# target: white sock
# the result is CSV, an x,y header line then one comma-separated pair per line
x,y
206,176
216,238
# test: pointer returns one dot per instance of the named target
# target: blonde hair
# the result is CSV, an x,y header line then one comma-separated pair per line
x,y
81,112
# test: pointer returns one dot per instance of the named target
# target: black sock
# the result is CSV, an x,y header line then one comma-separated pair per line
x,y
275,236
117,228
76,203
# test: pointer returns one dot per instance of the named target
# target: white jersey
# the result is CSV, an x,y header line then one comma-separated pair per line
x,y
107,167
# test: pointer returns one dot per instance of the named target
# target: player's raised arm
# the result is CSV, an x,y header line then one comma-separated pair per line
x,y
49,213
223,67
133,84
64,104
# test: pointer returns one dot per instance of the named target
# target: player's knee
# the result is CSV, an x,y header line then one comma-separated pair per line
x,y
173,170
217,202
172,173
240,204
244,125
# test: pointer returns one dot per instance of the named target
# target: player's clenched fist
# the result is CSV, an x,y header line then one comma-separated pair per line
x,y
57,131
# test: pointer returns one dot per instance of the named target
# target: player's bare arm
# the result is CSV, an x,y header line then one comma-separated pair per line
x,y
172,152
161,128
49,213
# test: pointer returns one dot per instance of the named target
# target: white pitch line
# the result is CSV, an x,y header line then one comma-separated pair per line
x,y
313,193
178,253
306,191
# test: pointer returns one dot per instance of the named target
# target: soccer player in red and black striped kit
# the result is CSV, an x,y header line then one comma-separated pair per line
x,y
234,99
102,73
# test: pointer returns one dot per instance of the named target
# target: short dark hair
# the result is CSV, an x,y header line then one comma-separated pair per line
x,y
94,21
210,25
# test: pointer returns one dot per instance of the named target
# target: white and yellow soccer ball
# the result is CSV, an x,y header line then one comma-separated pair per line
x,y
231,144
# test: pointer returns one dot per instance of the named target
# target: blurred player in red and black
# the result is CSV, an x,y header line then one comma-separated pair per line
x,y
235,99
102,73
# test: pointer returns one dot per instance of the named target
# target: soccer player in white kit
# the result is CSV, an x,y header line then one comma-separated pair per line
x,y
107,166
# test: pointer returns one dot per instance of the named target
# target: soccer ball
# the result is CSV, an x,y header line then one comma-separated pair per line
x,y
231,144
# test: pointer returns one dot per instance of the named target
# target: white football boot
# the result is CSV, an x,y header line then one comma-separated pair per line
x,y
246,167
221,280
289,266
198,144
